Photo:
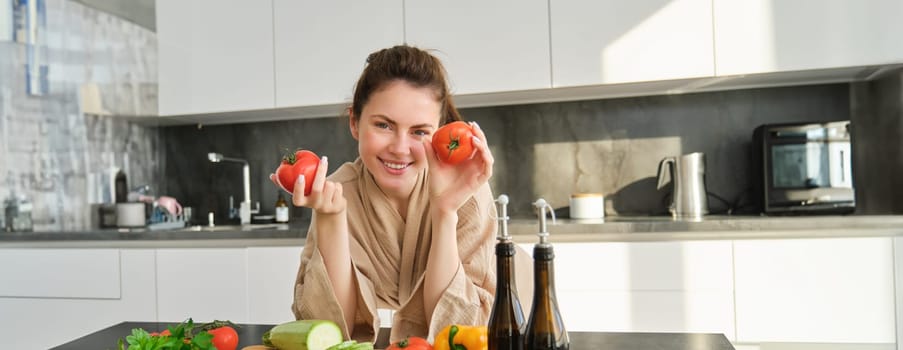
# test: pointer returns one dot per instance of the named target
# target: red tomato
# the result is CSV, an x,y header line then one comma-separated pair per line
x,y
411,343
164,333
453,142
298,163
224,338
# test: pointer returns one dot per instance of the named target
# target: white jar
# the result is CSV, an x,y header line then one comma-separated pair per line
x,y
587,206
130,214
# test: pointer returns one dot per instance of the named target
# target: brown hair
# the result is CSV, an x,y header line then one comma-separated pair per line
x,y
406,63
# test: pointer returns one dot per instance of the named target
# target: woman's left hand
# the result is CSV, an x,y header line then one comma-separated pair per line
x,y
451,185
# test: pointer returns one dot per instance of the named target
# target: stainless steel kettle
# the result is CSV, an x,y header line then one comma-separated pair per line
x,y
687,173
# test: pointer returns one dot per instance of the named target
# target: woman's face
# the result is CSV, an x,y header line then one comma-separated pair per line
x,y
395,119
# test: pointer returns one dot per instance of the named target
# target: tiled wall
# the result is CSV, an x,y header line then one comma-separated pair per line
x,y
543,150
49,149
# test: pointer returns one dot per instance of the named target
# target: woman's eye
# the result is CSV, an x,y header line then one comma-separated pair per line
x,y
382,125
421,133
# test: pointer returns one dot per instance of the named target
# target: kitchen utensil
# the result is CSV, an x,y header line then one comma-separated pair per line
x,y
687,174
587,206
130,214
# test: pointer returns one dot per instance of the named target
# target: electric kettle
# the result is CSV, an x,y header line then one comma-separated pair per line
x,y
687,173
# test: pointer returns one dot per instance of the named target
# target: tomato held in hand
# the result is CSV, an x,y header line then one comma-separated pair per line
x,y
224,338
301,162
411,343
453,142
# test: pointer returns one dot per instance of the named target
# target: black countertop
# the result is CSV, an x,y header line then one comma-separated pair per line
x,y
107,338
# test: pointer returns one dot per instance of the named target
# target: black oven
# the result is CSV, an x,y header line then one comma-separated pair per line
x,y
803,168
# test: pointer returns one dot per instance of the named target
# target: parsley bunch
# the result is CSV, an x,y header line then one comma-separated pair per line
x,y
180,338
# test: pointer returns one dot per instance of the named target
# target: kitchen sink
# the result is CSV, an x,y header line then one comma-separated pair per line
x,y
224,228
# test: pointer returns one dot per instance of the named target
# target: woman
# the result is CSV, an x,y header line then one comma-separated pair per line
x,y
397,228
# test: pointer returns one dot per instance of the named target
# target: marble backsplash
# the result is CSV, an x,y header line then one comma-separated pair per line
x,y
49,146
545,150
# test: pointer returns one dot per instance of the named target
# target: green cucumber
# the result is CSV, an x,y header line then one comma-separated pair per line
x,y
303,335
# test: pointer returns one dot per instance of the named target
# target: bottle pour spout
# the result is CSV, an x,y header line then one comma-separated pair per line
x,y
541,206
502,202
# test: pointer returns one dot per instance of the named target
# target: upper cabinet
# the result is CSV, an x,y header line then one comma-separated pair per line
x,y
214,56
609,41
758,36
302,58
322,46
486,46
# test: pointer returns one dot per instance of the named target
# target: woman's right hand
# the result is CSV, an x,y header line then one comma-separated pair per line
x,y
325,196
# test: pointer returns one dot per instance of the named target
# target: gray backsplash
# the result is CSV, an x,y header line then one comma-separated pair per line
x,y
545,150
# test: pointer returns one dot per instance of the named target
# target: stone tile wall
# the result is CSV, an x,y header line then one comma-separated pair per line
x,y
49,149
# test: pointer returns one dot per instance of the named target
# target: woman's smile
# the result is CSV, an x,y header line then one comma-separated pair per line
x,y
394,167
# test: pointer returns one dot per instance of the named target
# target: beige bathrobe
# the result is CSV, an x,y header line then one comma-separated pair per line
x,y
389,256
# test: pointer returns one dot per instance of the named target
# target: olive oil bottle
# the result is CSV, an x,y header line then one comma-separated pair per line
x,y
545,329
506,322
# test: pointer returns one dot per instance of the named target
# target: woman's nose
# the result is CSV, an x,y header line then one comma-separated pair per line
x,y
400,144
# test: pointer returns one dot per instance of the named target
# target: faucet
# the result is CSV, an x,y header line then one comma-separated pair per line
x,y
244,210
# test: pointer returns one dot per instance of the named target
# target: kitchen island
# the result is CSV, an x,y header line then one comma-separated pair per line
x,y
250,334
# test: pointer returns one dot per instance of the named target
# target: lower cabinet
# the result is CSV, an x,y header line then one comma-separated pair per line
x,y
271,281
645,287
243,285
52,296
815,291
204,284
761,294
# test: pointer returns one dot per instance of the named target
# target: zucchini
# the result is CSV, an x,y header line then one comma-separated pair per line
x,y
352,345
303,335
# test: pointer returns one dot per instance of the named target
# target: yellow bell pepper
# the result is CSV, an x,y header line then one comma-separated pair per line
x,y
455,337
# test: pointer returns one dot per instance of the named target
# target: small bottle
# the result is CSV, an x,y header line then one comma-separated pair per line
x,y
545,329
281,209
506,322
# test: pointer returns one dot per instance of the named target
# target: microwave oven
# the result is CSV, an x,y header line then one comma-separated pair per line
x,y
803,168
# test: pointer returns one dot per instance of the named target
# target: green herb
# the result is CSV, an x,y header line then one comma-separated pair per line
x,y
180,338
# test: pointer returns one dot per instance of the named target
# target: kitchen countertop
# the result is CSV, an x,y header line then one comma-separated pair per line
x,y
612,229
251,334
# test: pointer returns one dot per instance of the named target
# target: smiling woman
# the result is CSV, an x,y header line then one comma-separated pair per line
x,y
397,228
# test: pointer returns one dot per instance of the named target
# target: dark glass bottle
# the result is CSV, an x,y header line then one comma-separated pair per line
x,y
545,329
506,322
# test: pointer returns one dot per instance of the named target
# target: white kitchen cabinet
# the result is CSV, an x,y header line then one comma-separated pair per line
x,y
271,281
214,56
609,41
486,46
759,36
60,273
49,314
815,290
204,284
645,286
322,47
